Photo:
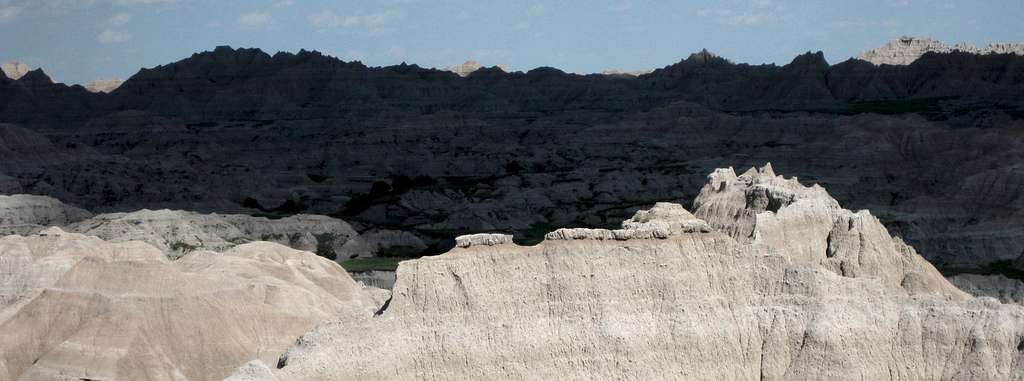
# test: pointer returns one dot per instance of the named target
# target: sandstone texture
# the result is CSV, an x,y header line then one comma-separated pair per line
x,y
785,285
26,214
77,307
906,50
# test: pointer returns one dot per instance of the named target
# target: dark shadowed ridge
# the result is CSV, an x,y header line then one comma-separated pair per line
x,y
250,84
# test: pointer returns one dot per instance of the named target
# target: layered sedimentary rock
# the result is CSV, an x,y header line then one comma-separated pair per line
x,y
178,232
906,50
769,279
931,148
103,85
78,307
26,214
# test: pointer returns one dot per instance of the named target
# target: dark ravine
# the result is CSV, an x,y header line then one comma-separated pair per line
x,y
933,148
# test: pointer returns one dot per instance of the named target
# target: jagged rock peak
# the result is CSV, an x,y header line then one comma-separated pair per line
x,y
36,78
905,50
14,70
704,57
805,222
810,59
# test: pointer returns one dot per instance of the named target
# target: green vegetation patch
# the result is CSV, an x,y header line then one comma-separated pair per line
x,y
182,247
374,263
325,245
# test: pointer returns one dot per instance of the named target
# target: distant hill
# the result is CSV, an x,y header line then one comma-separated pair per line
x,y
906,50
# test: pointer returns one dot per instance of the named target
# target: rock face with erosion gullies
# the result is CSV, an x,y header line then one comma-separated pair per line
x,y
178,232
906,50
26,214
413,157
78,307
769,279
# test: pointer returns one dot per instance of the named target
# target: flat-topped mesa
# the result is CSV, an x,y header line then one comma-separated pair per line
x,y
482,239
808,225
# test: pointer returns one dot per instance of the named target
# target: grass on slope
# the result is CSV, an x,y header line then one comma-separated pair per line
x,y
375,263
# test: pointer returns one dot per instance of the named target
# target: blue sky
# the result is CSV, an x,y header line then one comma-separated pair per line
x,y
79,40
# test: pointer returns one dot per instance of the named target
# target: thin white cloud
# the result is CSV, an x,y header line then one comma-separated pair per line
x,y
756,12
371,22
111,36
254,19
8,14
325,19
119,19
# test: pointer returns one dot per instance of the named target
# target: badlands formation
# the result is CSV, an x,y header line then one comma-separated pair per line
x,y
932,148
176,233
906,50
74,307
767,279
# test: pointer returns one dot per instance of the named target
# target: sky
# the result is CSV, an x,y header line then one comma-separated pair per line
x,y
76,41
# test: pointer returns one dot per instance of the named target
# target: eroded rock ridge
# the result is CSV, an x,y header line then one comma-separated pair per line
x,y
768,279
